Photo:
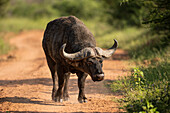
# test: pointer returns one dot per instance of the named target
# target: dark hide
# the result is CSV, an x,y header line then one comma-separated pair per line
x,y
73,32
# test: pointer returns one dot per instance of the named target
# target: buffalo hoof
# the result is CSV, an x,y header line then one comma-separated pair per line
x,y
82,100
56,99
60,100
66,98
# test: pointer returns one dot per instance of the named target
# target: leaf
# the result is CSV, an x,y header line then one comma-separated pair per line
x,y
148,104
142,112
144,107
120,107
151,106
141,73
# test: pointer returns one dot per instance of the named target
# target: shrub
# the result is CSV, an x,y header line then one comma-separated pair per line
x,y
79,8
143,94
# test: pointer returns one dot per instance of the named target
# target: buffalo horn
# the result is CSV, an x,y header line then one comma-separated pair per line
x,y
109,52
82,54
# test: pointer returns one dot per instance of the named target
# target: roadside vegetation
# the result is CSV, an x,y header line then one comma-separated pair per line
x,y
146,89
4,46
141,28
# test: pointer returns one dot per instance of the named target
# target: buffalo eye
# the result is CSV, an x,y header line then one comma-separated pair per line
x,y
89,63
101,61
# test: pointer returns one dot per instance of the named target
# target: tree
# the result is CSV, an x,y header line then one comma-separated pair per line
x,y
3,4
122,14
158,14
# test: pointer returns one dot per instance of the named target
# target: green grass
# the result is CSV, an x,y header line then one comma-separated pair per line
x,y
146,89
126,37
19,24
149,86
140,43
4,46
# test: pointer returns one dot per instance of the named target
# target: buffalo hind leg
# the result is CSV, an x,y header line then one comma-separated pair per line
x,y
81,84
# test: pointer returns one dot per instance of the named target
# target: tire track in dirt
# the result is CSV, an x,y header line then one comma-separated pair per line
x,y
25,81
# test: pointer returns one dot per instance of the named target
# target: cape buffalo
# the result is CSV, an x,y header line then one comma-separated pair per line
x,y
71,48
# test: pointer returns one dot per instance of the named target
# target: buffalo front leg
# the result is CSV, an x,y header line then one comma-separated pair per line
x,y
62,77
65,93
81,84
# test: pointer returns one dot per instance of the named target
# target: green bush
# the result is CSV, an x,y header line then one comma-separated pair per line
x,y
151,46
3,4
143,92
50,8
125,14
31,10
86,9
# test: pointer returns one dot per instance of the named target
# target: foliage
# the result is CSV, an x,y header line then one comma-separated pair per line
x,y
126,37
122,15
3,4
149,108
155,42
32,10
141,44
50,8
143,93
151,47
158,14
79,8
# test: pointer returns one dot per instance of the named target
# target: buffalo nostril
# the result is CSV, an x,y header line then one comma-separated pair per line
x,y
100,76
100,72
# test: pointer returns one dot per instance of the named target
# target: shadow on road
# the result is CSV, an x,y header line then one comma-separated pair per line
x,y
12,83
73,86
24,100
48,112
91,88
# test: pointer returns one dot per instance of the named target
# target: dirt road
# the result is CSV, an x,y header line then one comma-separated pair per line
x,y
25,81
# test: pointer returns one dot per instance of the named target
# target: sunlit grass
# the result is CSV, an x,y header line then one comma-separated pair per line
x,y
20,24
127,38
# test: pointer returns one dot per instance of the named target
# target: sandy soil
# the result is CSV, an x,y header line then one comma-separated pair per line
x,y
25,81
